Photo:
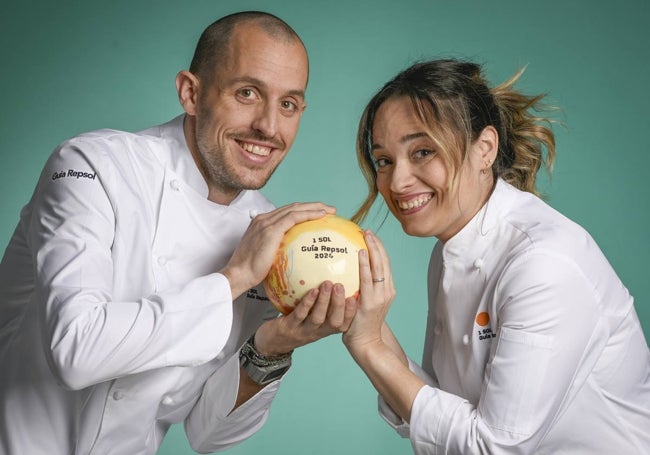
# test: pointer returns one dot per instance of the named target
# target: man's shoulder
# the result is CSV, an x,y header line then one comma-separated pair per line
x,y
112,155
107,138
118,145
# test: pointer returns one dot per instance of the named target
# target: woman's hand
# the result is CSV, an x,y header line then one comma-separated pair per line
x,y
252,259
370,341
375,297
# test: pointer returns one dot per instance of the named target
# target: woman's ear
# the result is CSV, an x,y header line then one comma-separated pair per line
x,y
487,144
187,87
486,147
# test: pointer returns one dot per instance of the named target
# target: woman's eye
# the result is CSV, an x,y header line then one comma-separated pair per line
x,y
422,153
381,162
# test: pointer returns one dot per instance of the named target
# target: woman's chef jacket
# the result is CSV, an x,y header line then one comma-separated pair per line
x,y
113,322
532,346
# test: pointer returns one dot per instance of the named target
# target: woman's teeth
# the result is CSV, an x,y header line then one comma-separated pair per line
x,y
415,202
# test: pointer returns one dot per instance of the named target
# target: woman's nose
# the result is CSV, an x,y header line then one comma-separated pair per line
x,y
402,177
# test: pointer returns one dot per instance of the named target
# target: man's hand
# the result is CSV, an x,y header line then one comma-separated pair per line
x,y
256,251
322,312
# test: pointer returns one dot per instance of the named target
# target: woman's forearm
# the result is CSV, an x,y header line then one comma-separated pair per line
x,y
390,375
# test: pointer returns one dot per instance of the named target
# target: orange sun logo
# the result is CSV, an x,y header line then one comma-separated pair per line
x,y
483,318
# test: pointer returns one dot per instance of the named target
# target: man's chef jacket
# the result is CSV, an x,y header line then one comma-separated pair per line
x,y
533,345
113,321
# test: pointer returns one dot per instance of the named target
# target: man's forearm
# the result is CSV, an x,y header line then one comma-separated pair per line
x,y
247,388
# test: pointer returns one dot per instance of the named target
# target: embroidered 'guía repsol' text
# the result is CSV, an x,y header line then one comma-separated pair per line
x,y
75,174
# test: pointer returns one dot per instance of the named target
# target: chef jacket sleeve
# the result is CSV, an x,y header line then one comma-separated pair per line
x,y
211,426
549,337
88,337
391,417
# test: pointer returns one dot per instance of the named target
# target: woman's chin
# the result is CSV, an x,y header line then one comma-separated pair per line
x,y
415,230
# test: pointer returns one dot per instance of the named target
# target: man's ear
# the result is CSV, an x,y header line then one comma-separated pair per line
x,y
187,87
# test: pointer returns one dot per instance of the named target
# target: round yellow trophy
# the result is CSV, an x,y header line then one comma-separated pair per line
x,y
313,252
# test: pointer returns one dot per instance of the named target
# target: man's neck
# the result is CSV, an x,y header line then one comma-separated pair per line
x,y
215,194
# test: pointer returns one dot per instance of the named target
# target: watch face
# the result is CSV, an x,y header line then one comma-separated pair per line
x,y
275,374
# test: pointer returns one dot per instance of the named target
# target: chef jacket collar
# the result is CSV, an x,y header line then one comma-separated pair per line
x,y
473,240
182,162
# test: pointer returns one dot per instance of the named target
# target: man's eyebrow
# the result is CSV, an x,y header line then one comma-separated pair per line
x,y
403,139
262,84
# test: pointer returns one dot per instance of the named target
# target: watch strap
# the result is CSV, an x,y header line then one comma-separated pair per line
x,y
261,368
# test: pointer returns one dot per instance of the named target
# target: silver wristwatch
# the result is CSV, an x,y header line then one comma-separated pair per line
x,y
260,368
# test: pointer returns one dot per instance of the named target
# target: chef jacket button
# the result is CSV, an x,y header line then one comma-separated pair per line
x,y
167,400
253,213
479,263
162,260
466,339
117,395
175,185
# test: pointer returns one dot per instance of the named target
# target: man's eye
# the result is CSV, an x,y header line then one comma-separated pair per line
x,y
246,93
289,105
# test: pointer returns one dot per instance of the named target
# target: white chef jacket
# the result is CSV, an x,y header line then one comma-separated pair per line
x,y
113,322
532,346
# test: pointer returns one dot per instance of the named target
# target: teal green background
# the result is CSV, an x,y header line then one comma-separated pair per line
x,y
72,66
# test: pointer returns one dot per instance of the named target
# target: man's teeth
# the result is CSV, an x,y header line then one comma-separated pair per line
x,y
416,202
256,149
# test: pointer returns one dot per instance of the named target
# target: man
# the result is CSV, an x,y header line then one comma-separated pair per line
x,y
128,296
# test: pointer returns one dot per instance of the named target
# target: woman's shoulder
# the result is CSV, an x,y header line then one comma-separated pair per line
x,y
540,226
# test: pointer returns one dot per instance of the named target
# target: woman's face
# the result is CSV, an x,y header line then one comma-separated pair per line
x,y
413,179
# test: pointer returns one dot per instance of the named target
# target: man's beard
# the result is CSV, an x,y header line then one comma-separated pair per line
x,y
214,161
222,173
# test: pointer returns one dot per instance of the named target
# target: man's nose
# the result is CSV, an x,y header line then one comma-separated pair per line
x,y
266,120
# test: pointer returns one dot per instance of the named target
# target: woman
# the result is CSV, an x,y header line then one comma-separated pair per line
x,y
532,343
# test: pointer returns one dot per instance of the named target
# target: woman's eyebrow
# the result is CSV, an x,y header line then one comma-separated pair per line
x,y
403,139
